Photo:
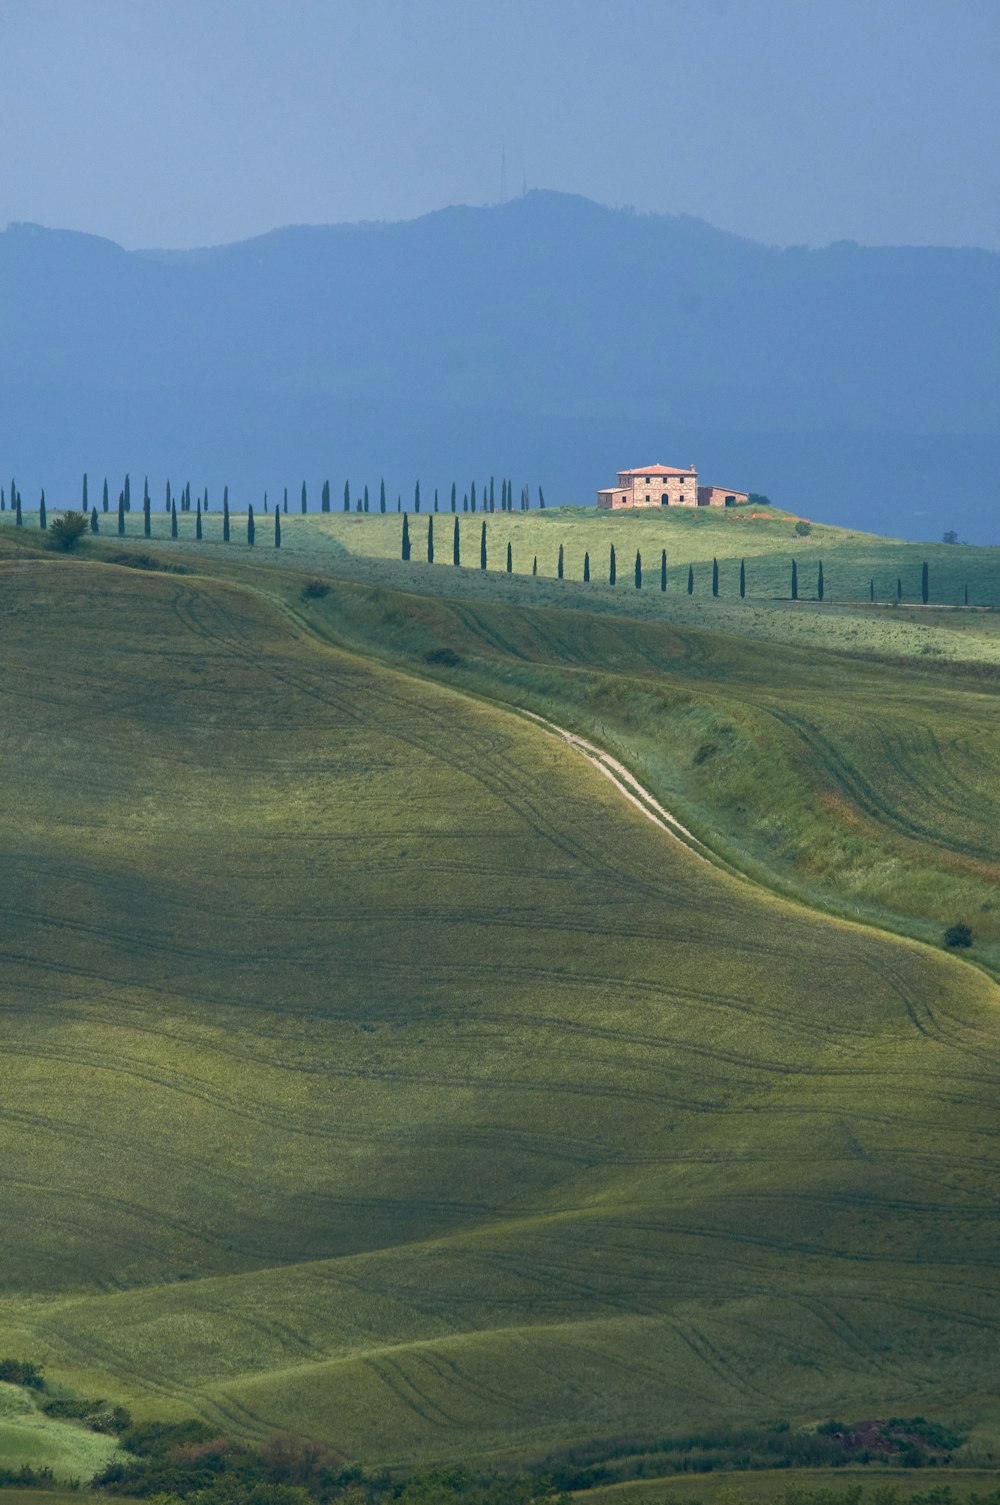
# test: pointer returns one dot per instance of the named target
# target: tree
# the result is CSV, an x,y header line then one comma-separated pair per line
x,y
364,503
105,498
743,579
899,588
819,582
925,589
612,567
251,530
534,565
510,559
173,520
277,528
347,496
381,495
304,503
638,570
802,528
663,570
456,546
715,577
147,516
18,519
416,497
285,501
465,502
430,539
690,579
492,495
482,548
541,498
559,564
127,493
795,581
225,515
145,493
958,935
93,521
324,501
43,521
67,531
406,536
197,521
85,504
950,537
166,504
454,498
871,591
435,499
586,567
265,504
121,513
472,497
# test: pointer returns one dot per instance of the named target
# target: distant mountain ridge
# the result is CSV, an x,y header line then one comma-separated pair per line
x,y
547,337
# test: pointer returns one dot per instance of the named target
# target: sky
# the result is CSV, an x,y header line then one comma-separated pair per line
x,y
796,122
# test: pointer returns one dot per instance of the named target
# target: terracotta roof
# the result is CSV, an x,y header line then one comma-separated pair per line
x,y
656,470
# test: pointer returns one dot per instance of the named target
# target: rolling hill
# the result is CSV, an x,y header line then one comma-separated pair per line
x,y
373,1069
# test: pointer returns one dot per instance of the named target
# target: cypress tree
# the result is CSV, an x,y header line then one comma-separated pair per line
x,y
325,498
534,565
503,494
638,570
820,584
430,539
795,581
105,499
43,521
127,493
204,502
663,570
612,568
85,504
743,579
472,497
510,559
305,504
586,567
13,494
145,492
482,548
225,515
406,537
381,496
871,591
147,518
465,502
456,547
690,579
899,589
3,500
173,519
347,496
197,521
416,497
435,499
285,502
357,505
492,496
559,563
277,528
18,519
93,520
166,504
251,530
121,513
364,504
715,577
265,505
454,498
925,588
399,503
525,499
541,498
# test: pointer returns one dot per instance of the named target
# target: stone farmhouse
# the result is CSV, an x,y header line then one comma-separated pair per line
x,y
666,486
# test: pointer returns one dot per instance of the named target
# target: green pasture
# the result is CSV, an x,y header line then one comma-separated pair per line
x,y
371,1069
28,1436
875,1485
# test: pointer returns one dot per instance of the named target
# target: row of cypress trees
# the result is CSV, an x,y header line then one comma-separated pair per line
x,y
407,552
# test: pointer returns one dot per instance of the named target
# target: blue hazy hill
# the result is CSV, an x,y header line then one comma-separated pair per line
x,y
548,338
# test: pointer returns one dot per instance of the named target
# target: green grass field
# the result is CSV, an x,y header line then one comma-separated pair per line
x,y
28,1436
876,1486
372,1069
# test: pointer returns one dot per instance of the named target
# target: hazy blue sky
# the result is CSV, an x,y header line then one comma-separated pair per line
x,y
186,122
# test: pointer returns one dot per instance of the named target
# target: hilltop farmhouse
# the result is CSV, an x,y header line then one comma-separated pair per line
x,y
666,486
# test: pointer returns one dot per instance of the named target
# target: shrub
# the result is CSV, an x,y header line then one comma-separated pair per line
x,y
315,590
803,529
21,1372
66,532
958,935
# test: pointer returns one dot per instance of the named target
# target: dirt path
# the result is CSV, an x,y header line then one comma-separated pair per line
x,y
627,785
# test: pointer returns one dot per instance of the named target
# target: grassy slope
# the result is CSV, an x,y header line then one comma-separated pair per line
x,y
27,1435
371,1069
876,1485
